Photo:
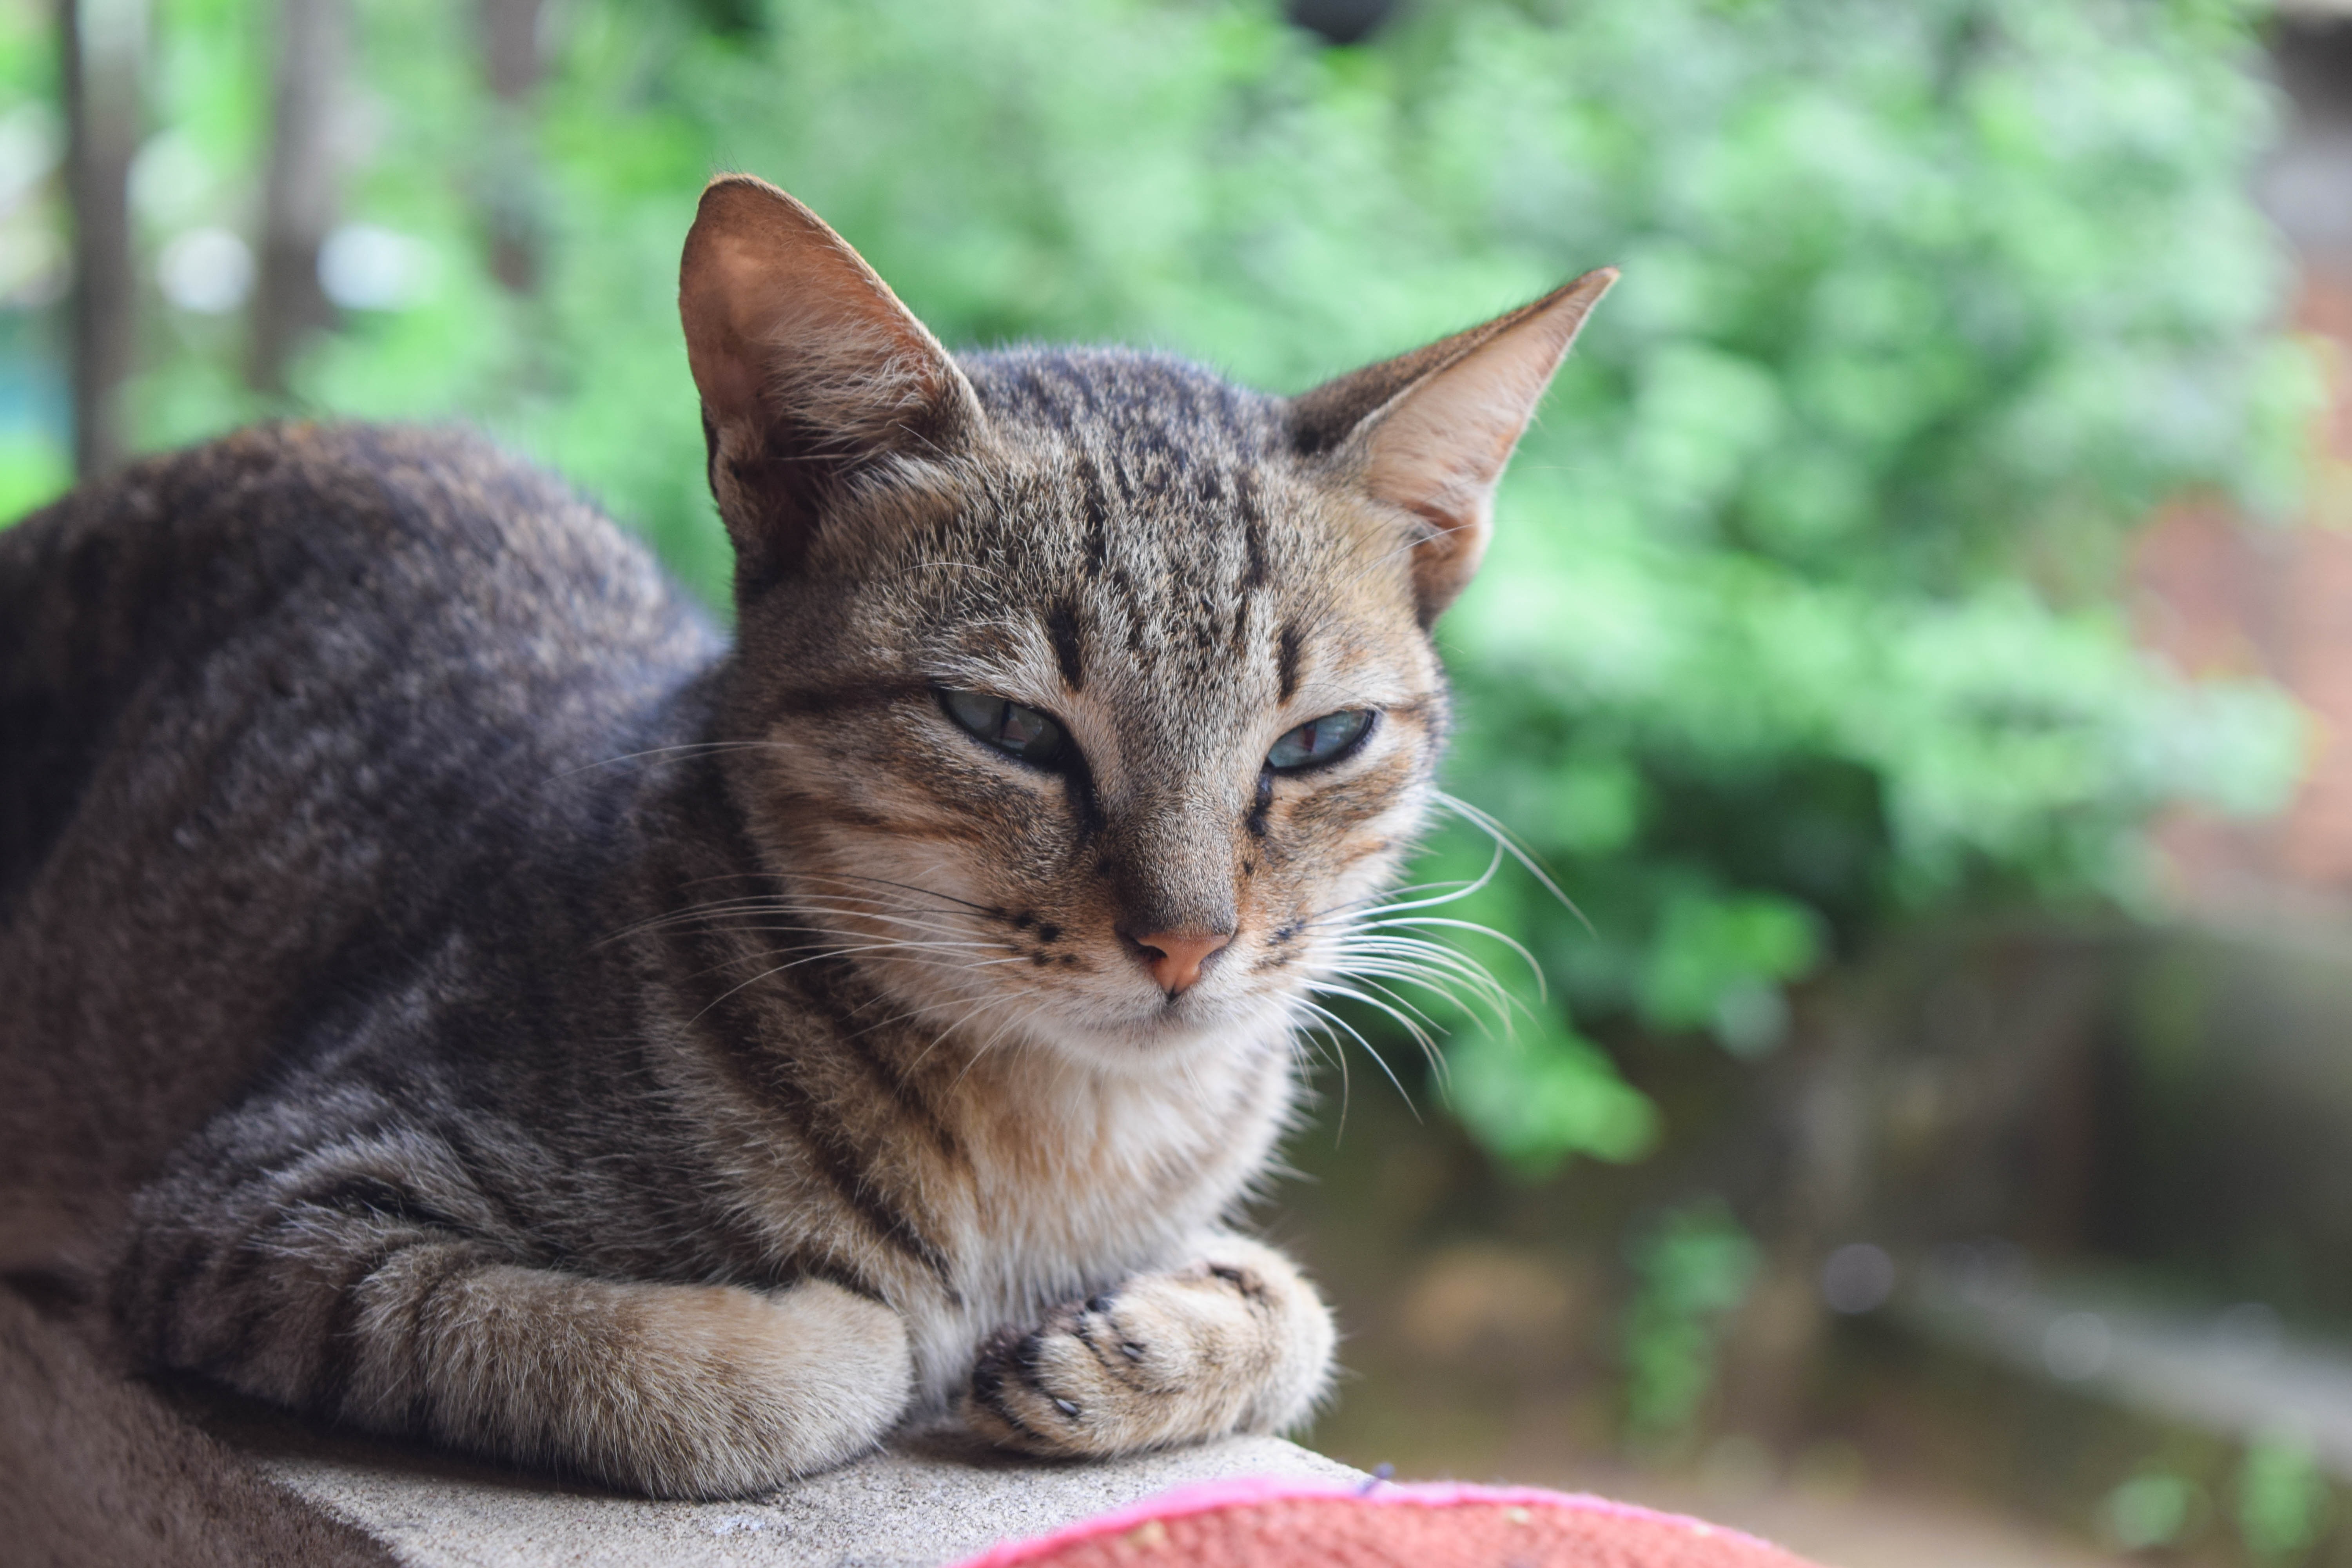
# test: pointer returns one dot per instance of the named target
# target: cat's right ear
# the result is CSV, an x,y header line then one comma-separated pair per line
x,y
1428,433
817,384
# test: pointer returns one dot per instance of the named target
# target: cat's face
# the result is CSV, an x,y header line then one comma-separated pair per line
x,y
1093,698
1146,683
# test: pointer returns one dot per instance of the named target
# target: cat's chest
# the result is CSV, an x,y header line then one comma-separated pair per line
x,y
1086,1181
1080,1193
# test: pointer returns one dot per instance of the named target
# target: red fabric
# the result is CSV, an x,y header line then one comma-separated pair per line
x,y
1267,1523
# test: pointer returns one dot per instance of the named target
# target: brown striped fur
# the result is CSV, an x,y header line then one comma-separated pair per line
x,y
680,1063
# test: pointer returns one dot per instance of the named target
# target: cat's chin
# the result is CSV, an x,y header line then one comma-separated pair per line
x,y
1153,1039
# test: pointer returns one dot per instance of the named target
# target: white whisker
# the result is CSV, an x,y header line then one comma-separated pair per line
x,y
1380,1060
1506,839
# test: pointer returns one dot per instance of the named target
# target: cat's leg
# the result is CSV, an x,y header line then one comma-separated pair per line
x,y
1236,1342
392,1322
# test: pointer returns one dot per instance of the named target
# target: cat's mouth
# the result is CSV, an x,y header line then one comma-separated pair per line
x,y
1140,1031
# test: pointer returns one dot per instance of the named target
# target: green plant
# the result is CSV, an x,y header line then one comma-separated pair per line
x,y
1692,1269
2283,1499
2153,1508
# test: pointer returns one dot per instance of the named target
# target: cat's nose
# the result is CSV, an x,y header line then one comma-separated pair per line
x,y
1175,957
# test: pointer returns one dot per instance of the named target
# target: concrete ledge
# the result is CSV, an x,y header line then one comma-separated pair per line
x,y
931,1498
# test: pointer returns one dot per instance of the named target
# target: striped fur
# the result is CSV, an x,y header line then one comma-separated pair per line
x,y
680,1063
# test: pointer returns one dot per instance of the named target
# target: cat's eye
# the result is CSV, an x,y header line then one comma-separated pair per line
x,y
1007,725
1319,741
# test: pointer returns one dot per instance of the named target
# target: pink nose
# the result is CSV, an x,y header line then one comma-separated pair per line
x,y
1174,957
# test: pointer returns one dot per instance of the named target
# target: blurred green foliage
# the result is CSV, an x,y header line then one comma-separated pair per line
x,y
1536,1088
1691,1271
1801,618
2283,1499
2152,1508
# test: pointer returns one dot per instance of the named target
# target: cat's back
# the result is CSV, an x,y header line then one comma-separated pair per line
x,y
265,706
370,576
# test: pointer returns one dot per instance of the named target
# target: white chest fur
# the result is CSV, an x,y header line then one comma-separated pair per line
x,y
1087,1179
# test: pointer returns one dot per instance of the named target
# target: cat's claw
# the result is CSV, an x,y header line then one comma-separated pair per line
x,y
1238,1344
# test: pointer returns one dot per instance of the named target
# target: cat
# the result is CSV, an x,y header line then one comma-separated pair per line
x,y
532,1022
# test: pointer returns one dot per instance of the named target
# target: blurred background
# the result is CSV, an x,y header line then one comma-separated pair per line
x,y
1920,638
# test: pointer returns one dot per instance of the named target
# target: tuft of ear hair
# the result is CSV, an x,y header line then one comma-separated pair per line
x,y
818,386
1430,432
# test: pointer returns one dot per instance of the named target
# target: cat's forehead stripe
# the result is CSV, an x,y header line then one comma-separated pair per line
x,y
1245,500
1062,628
1286,664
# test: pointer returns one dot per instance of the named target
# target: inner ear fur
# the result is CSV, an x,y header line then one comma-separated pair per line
x,y
818,385
1430,432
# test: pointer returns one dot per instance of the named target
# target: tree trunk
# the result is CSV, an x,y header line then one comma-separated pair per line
x,y
298,201
104,46
511,197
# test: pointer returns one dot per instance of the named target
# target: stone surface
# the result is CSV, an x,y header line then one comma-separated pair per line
x,y
932,1497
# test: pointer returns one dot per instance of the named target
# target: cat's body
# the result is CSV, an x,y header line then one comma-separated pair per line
x,y
678,1062
417,856
287,716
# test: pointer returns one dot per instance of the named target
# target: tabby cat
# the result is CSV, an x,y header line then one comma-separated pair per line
x,y
677,1062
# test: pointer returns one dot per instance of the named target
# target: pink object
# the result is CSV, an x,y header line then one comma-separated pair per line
x,y
1267,1523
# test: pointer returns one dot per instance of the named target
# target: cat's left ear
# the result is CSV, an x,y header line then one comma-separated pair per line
x,y
816,383
1430,432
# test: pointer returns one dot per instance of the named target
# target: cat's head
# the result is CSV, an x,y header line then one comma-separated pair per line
x,y
1089,697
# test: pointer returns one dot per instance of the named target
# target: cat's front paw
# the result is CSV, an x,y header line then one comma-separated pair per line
x,y
1236,1342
